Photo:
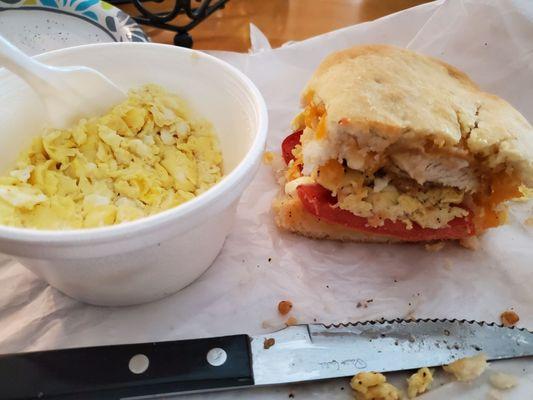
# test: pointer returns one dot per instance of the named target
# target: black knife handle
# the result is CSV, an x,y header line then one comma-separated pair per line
x,y
105,372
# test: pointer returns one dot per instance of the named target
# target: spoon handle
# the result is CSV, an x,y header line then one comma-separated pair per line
x,y
37,75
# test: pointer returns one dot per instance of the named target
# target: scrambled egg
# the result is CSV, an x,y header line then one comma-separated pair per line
x,y
373,386
377,198
419,382
145,156
468,368
503,381
431,208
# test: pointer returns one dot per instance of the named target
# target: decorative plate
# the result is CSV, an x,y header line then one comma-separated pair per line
x,y
42,25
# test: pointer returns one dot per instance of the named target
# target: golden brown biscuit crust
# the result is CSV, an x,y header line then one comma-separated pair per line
x,y
398,95
290,215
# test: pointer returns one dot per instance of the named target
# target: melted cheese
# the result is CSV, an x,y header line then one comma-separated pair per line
x,y
502,188
294,169
331,175
313,114
321,129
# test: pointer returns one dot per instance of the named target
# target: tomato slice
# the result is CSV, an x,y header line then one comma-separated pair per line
x,y
289,144
318,201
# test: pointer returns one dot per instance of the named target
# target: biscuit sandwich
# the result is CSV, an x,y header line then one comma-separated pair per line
x,y
394,146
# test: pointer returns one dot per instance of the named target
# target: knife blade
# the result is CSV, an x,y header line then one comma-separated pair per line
x,y
316,351
294,354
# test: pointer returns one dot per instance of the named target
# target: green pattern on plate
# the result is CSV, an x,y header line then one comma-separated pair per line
x,y
113,20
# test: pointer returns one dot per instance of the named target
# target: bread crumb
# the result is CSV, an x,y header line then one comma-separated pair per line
x,y
509,318
268,343
528,221
468,368
344,121
419,382
284,307
448,263
364,303
434,247
291,321
410,315
277,165
272,325
373,385
527,193
503,381
470,243
268,157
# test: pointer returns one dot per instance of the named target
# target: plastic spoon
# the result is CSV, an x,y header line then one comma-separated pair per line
x,y
68,93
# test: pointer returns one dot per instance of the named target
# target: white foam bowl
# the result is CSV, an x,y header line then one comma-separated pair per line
x,y
150,258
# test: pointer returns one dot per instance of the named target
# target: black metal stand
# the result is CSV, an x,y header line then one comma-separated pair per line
x,y
162,20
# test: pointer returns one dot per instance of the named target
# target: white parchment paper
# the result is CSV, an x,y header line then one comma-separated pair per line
x,y
259,266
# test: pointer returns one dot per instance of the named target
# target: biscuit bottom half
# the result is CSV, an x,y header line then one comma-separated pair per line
x,y
291,215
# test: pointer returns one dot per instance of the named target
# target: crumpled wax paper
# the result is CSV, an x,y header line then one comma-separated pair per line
x,y
259,265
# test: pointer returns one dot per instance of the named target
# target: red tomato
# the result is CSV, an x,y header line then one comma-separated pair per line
x,y
290,143
318,201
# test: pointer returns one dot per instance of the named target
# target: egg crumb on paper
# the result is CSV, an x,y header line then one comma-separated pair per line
x,y
148,154
419,382
373,385
503,381
467,369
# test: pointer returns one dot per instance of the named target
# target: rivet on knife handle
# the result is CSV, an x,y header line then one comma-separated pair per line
x,y
113,372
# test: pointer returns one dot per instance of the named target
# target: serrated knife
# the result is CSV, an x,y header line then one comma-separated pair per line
x,y
294,354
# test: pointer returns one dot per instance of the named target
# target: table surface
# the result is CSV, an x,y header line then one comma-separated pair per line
x,y
280,20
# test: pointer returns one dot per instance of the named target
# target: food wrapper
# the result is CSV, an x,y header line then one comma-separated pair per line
x,y
327,281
